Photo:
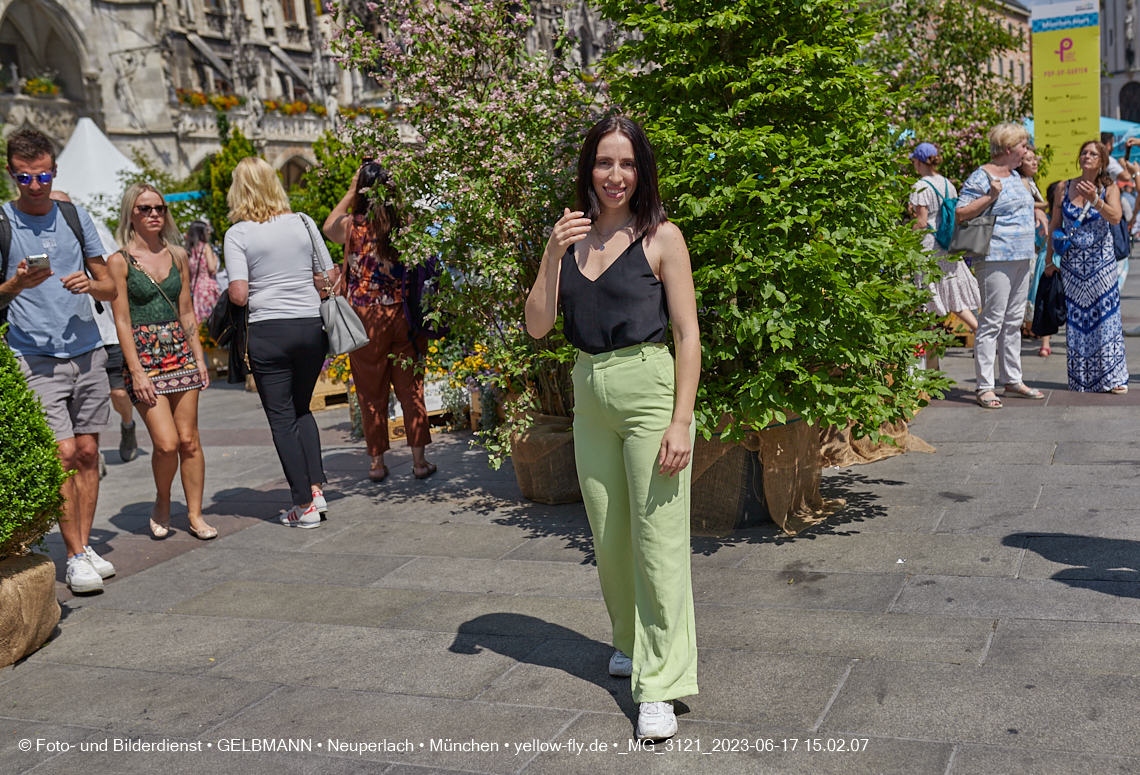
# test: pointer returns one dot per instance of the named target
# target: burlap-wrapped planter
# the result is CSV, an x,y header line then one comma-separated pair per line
x,y
29,611
543,458
839,448
727,490
772,473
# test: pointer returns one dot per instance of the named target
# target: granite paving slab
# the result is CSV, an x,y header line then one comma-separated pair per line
x,y
505,577
324,714
1023,708
517,615
795,587
891,553
987,760
843,633
430,664
994,598
126,639
400,538
128,701
721,752
314,603
1088,647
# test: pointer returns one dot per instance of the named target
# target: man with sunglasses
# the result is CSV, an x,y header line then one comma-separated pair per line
x,y
52,332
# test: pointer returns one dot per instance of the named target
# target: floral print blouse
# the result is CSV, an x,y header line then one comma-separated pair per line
x,y
373,279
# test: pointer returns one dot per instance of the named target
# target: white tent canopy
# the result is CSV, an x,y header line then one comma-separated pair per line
x,y
89,166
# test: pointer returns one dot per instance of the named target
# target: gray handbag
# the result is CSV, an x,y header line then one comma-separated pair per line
x,y
973,237
345,331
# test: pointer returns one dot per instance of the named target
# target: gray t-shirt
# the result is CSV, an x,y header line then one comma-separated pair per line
x,y
49,319
276,258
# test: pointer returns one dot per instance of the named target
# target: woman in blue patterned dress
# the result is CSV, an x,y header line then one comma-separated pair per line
x,y
1086,206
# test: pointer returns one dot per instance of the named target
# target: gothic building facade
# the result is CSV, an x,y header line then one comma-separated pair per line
x,y
146,70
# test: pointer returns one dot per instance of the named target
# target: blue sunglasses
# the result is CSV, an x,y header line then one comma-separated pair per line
x,y
24,178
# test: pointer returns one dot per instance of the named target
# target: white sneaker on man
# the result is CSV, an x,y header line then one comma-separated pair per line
x,y
298,517
81,575
320,502
104,568
621,666
656,721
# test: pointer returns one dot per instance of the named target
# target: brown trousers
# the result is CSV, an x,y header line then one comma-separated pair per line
x,y
373,371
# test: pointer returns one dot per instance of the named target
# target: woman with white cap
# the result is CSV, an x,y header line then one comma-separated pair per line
x,y
957,291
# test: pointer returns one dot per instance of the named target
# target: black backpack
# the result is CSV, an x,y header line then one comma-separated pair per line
x,y
70,214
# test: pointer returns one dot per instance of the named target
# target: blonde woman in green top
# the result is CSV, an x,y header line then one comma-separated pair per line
x,y
163,364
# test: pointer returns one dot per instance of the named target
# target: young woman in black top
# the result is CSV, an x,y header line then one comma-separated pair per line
x,y
620,271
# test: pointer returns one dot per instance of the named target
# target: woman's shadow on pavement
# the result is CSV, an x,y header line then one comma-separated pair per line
x,y
550,648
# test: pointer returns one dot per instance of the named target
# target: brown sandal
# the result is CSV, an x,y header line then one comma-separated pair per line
x,y
429,467
372,473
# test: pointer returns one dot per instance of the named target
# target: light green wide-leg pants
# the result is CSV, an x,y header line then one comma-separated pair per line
x,y
623,403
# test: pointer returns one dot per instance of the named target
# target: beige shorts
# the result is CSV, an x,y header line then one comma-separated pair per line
x,y
75,392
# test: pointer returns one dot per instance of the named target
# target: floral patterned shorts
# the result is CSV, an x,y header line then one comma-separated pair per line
x,y
166,357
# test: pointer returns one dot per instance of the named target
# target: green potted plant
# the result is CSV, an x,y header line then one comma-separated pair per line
x,y
778,164
30,479
498,131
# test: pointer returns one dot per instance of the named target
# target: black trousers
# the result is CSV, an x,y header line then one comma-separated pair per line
x,y
286,357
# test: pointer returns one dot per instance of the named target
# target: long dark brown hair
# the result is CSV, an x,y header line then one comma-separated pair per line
x,y
380,206
645,205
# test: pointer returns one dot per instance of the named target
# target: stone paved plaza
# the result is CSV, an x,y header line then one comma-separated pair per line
x,y
971,612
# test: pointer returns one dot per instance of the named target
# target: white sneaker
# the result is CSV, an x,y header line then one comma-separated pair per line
x,y
320,502
307,518
81,575
105,569
621,666
656,721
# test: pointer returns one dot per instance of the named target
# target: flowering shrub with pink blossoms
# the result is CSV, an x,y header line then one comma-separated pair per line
x,y
497,130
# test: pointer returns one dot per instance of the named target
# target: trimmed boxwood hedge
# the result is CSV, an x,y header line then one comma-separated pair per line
x,y
30,471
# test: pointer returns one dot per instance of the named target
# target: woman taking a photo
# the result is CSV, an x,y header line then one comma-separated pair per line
x,y
163,368
374,280
270,258
1005,271
620,270
1085,207
203,268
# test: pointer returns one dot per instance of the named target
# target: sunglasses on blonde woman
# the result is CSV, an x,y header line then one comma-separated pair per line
x,y
148,209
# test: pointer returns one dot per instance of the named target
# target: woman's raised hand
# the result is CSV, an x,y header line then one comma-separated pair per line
x,y
995,188
1087,190
571,227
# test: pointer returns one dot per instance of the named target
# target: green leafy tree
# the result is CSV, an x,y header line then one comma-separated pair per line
x,y
938,56
498,131
777,163
183,212
219,172
30,471
323,185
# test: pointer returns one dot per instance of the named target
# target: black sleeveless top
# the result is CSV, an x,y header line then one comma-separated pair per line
x,y
624,307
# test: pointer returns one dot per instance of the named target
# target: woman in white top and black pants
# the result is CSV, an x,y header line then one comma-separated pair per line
x,y
269,257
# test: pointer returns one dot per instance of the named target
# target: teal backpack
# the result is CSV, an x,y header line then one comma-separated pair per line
x,y
946,210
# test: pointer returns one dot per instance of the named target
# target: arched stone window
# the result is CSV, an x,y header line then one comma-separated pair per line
x,y
1130,102
34,37
292,170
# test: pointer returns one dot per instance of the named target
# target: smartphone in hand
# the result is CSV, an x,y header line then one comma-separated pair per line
x,y
38,261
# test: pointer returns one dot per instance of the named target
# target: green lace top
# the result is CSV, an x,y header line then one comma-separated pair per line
x,y
147,304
